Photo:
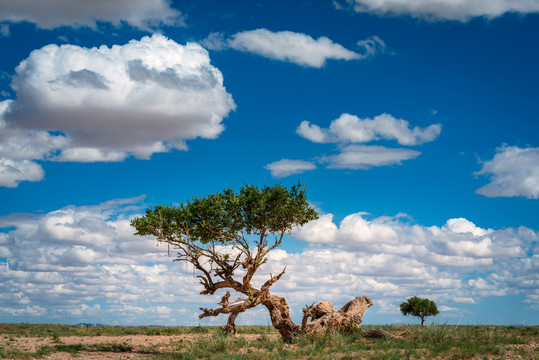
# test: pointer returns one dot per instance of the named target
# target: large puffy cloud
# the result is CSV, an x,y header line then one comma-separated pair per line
x,y
157,89
414,259
461,10
294,47
18,144
458,241
513,171
63,262
104,104
19,147
143,14
84,264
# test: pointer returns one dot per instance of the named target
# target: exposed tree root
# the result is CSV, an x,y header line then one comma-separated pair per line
x,y
377,334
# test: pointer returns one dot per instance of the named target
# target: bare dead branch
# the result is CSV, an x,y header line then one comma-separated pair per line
x,y
272,280
306,315
241,307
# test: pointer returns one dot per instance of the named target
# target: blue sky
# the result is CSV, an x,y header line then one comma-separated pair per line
x,y
413,125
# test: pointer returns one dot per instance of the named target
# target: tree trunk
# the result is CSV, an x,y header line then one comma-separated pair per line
x,y
280,317
230,327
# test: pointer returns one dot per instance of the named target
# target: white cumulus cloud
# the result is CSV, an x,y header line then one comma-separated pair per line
x,y
460,10
323,230
390,256
461,225
18,149
512,172
286,167
293,47
147,96
392,235
62,262
143,14
350,128
13,172
314,133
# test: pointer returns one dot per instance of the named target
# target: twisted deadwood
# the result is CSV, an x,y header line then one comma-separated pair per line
x,y
377,334
324,319
225,234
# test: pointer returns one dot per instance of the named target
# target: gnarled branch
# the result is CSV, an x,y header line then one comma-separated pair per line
x,y
272,280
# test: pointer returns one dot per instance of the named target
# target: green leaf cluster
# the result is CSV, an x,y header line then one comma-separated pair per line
x,y
225,216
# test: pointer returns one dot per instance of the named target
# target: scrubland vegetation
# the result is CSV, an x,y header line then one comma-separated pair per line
x,y
26,341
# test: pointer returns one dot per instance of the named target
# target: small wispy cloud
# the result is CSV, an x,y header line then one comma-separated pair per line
x,y
287,167
293,47
351,133
4,30
364,157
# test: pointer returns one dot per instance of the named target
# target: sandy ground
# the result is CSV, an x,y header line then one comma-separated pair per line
x,y
145,347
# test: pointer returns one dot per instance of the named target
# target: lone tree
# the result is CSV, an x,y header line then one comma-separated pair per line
x,y
419,307
227,236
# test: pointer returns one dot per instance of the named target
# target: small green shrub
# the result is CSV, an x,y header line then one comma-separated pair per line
x,y
72,348
113,347
433,334
214,343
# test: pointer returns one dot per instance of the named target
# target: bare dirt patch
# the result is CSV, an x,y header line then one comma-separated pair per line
x,y
26,344
119,347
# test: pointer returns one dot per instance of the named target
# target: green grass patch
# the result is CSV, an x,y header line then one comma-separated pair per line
x,y
263,342
57,330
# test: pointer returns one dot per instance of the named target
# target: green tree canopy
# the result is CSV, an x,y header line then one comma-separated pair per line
x,y
243,222
226,217
419,307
